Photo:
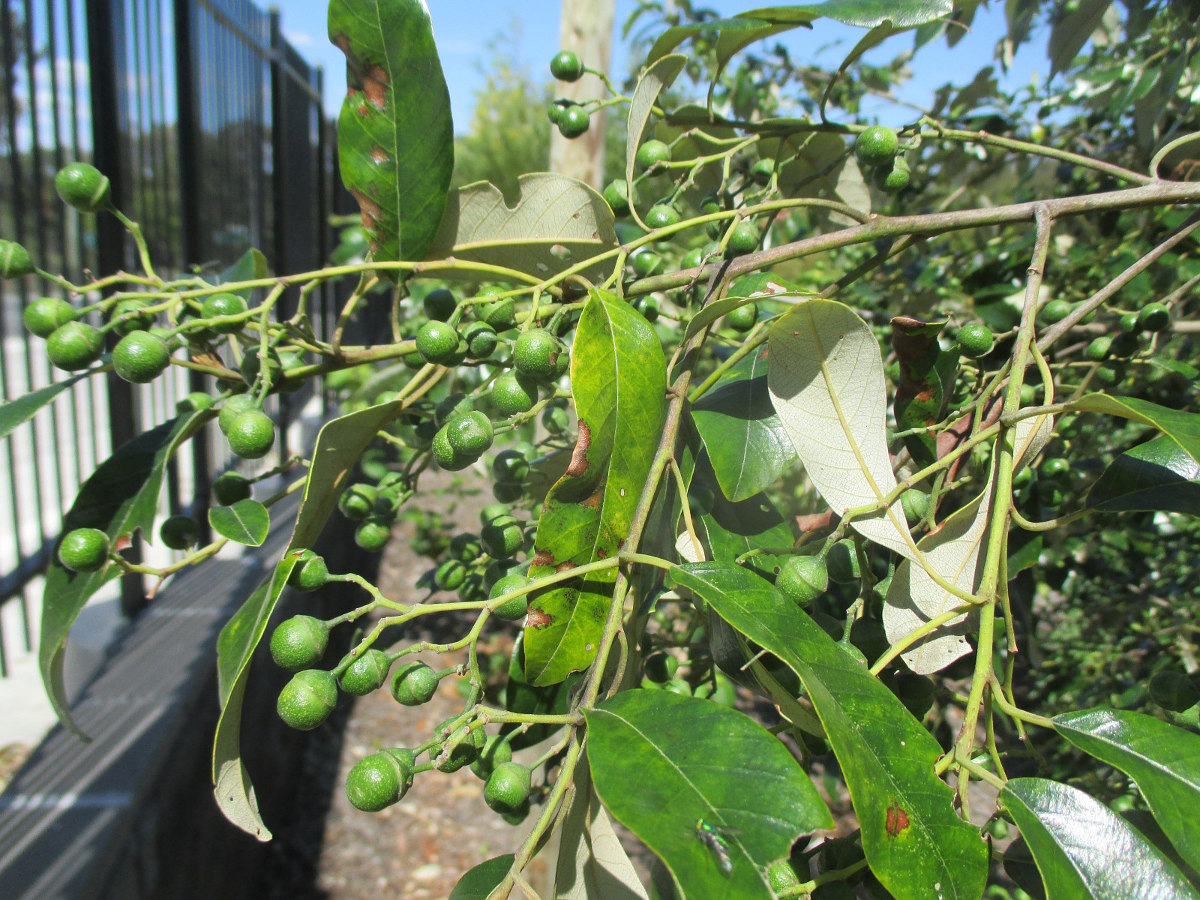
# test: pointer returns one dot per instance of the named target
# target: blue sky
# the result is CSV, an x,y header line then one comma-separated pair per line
x,y
463,29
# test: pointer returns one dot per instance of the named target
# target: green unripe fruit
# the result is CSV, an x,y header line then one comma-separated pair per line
x,y
555,419
465,547
439,304
128,316
744,239
379,780
508,787
470,434
194,402
1055,311
661,667
535,354
651,153
743,318
465,752
1130,324
179,532
494,511
566,66
84,550
1173,691
510,465
662,215
877,146
14,260
496,751
893,179
843,563
803,579
414,684
500,314
229,488
1099,349
616,195
481,340
1154,317
299,642
218,305
502,537
452,407
437,342
573,121
762,171
1054,468
232,408
44,315
252,366
252,435
372,535
140,357
975,340
357,502
83,186
647,306
74,346
310,573
307,700
517,607
366,674
514,394
450,575
444,453
915,504
678,686
646,263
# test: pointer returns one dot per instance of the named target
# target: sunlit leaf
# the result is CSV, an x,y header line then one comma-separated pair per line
x,y
245,522
1158,475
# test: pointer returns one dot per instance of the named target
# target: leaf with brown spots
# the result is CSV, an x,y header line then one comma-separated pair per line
x,y
395,135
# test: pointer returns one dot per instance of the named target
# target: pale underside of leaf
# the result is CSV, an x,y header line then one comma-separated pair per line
x,y
591,861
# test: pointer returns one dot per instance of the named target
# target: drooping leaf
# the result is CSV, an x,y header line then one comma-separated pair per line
x,y
910,832
745,440
663,763
1084,849
653,82
956,552
1162,759
591,861
860,13
19,411
922,394
1072,30
119,498
245,522
619,382
395,134
732,36
1182,427
480,881
1158,475
250,266
826,382
557,223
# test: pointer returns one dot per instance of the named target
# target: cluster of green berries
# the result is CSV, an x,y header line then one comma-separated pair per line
x,y
571,119
878,148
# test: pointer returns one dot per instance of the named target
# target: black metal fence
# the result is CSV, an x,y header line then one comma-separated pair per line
x,y
209,125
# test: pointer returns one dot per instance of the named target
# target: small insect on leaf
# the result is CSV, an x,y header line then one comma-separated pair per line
x,y
709,835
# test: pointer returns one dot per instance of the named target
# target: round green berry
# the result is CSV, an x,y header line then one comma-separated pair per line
x,y
762,171
439,304
232,408
566,66
252,366
357,502
510,465
743,239
229,488
450,575
481,340
496,751
83,186
444,453
1099,348
573,122
310,572
1055,311
84,550
299,642
44,315
219,305
1154,317
1054,468
842,562
1130,324
179,532
437,342
493,511
915,504
252,435
803,579
535,354
307,700
502,537
14,260
372,535
74,346
500,314
128,316
508,787
465,752
414,684
893,179
515,608
140,357
877,145
555,419
470,434
742,318
646,263
616,195
366,674
975,340
379,780
194,402
651,153
513,394
662,215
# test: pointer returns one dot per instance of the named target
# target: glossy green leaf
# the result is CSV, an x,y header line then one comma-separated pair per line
x,y
119,498
1083,849
591,861
522,697
746,443
826,382
1158,475
395,135
17,412
733,529
662,763
232,786
556,223
250,266
652,82
479,882
245,522
619,382
1181,427
1162,759
911,835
